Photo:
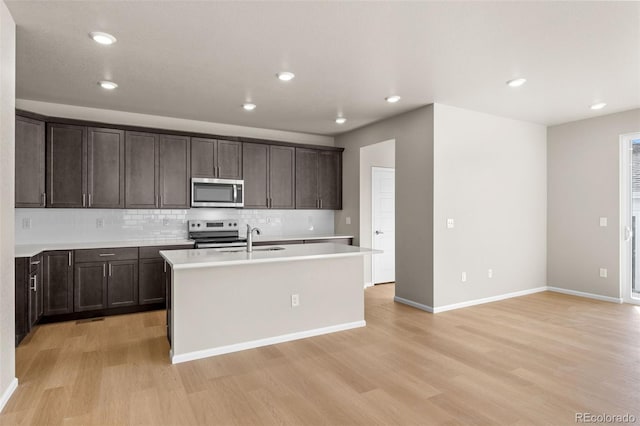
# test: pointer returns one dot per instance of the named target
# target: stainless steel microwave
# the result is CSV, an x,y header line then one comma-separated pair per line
x,y
207,192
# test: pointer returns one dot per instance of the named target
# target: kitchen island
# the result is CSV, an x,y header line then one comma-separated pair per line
x,y
227,301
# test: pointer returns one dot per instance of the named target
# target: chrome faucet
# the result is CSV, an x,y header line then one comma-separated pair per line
x,y
250,232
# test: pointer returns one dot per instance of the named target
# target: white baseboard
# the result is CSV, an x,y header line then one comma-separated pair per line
x,y
583,294
190,356
8,392
468,303
413,304
367,285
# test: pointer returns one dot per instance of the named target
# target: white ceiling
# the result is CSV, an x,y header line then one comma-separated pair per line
x,y
202,60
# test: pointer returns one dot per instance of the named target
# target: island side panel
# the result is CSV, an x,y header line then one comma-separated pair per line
x,y
215,308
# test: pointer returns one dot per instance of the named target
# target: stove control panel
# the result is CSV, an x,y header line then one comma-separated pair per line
x,y
213,225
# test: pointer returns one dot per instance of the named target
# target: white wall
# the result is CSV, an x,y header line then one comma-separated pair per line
x,y
413,133
382,154
7,169
169,123
583,163
490,177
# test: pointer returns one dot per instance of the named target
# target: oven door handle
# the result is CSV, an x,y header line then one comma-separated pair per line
x,y
235,193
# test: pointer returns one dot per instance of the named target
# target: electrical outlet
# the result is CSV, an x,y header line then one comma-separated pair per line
x,y
451,223
489,273
26,223
99,222
603,222
348,220
165,222
603,272
463,277
295,300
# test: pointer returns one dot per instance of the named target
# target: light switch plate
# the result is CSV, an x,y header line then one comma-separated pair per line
x,y
451,223
348,220
603,221
603,272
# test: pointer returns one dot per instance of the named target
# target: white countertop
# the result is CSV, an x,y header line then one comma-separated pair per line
x,y
28,250
275,239
205,258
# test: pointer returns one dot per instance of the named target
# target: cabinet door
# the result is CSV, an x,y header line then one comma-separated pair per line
x,y
306,178
105,168
329,180
57,275
141,170
122,285
152,281
229,159
174,172
90,287
66,173
168,284
30,151
202,158
36,297
21,299
282,172
255,165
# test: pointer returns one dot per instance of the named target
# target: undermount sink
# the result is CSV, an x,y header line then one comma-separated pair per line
x,y
269,249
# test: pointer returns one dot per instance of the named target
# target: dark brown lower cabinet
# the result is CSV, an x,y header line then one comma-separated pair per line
x,y
90,287
101,285
152,281
22,299
57,277
35,290
122,283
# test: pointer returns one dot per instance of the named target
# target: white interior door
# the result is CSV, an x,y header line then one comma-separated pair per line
x,y
384,224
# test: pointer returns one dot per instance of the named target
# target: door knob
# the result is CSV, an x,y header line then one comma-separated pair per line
x,y
379,232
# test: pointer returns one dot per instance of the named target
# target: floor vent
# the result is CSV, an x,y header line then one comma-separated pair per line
x,y
89,320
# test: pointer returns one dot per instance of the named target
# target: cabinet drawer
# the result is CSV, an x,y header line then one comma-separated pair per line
x,y
277,243
106,254
153,252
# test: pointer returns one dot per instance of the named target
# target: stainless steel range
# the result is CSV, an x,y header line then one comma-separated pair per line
x,y
216,233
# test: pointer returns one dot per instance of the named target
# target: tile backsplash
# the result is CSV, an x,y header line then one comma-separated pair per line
x,y
35,226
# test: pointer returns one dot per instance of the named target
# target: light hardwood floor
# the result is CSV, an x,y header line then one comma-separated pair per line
x,y
536,359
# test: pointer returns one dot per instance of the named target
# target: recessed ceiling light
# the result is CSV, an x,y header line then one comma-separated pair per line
x,y
102,38
249,106
516,82
286,75
599,105
341,120
109,85
392,99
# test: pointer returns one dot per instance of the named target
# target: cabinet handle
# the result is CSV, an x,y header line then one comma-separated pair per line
x,y
104,270
34,286
109,269
165,266
44,199
69,258
37,262
90,200
83,199
320,202
107,254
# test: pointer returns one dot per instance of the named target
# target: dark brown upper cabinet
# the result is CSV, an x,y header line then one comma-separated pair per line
x,y
211,158
157,170
318,179
105,168
66,165
30,163
174,172
269,176
141,170
85,167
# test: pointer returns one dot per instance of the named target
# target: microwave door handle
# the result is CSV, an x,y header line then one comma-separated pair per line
x,y
235,193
